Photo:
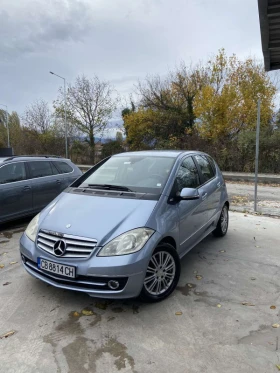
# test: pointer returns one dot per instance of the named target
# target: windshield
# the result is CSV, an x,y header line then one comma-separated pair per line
x,y
144,174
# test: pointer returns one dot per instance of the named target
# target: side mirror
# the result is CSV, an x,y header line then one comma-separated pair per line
x,y
189,194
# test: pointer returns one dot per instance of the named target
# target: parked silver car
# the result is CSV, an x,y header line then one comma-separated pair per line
x,y
28,184
120,230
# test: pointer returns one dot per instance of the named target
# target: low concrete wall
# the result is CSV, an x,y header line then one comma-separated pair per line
x,y
232,176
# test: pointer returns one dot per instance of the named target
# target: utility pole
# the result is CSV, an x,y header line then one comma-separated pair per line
x,y
257,154
65,117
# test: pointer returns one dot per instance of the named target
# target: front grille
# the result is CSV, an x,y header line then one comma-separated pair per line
x,y
80,282
76,247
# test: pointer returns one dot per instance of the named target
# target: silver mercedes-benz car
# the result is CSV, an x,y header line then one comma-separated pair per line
x,y
120,230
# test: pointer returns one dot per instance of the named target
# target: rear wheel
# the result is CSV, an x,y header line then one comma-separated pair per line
x,y
222,226
162,274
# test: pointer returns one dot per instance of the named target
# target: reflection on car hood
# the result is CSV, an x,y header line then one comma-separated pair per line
x,y
101,218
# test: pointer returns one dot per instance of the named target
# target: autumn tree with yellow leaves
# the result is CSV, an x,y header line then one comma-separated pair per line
x,y
227,104
216,101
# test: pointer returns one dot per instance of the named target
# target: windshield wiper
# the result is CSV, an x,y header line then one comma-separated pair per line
x,y
110,187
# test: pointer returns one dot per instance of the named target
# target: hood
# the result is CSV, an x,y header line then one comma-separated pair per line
x,y
101,218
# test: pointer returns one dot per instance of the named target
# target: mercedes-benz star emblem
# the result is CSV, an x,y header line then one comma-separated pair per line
x,y
59,248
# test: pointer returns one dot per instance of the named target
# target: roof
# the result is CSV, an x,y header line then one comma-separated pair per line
x,y
269,14
158,153
29,157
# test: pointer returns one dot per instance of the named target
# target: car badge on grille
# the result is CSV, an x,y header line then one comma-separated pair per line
x,y
59,248
68,225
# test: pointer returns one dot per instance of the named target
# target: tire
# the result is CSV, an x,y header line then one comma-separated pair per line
x,y
222,226
166,280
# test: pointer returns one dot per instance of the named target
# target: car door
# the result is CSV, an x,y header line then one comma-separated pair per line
x,y
46,182
191,213
15,191
211,185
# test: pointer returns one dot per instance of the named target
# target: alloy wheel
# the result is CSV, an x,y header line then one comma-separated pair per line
x,y
160,273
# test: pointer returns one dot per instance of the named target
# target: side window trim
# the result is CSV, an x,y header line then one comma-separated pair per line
x,y
200,173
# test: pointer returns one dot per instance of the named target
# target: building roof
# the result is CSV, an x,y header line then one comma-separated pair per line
x,y
269,13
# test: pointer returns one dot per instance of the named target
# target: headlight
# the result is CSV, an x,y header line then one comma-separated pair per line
x,y
127,243
32,228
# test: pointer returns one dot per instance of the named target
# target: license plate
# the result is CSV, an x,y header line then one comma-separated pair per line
x,y
58,269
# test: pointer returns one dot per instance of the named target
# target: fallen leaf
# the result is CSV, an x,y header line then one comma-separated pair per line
x,y
87,312
178,313
2,266
7,283
256,246
253,278
276,325
198,277
13,262
190,285
272,307
278,366
219,305
247,304
76,314
8,334
222,251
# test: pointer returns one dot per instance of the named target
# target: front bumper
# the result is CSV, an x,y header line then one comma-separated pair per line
x,y
93,273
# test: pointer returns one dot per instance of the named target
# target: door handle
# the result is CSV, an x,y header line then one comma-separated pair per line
x,y
204,196
26,188
58,181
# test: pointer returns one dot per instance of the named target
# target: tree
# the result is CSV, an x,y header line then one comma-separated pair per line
x,y
90,105
3,128
227,104
15,132
119,137
38,116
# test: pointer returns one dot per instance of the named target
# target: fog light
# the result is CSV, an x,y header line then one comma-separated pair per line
x,y
113,284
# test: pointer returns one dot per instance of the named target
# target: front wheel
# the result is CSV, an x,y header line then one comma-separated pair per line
x,y
162,274
222,225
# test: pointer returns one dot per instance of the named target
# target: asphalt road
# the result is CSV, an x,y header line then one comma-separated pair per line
x,y
265,193
220,323
242,197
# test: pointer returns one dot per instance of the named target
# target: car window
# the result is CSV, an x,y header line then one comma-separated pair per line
x,y
12,172
55,170
187,176
212,164
63,167
205,167
139,173
40,169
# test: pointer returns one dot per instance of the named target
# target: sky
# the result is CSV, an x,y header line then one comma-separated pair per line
x,y
119,40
